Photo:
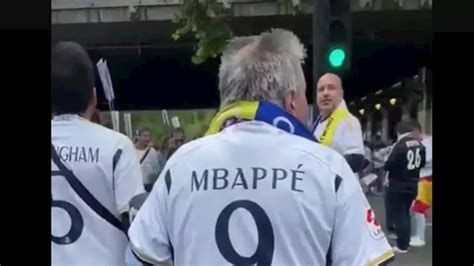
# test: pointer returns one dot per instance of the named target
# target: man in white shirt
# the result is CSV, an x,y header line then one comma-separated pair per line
x,y
147,157
424,197
259,189
94,170
336,127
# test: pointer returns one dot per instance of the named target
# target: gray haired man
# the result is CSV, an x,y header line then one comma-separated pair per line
x,y
258,189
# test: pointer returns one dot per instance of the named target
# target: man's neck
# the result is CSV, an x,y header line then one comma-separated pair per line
x,y
140,146
89,112
328,113
325,115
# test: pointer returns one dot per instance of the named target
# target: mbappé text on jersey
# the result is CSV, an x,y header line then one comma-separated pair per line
x,y
251,178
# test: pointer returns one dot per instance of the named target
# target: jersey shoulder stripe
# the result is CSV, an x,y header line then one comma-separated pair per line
x,y
83,193
337,182
115,161
168,180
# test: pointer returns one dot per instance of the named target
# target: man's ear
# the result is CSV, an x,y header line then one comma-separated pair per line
x,y
290,103
94,97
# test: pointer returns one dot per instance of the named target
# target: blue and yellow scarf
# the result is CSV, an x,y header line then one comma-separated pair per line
x,y
259,111
333,123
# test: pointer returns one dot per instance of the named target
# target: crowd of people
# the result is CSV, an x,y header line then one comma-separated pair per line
x,y
259,182
416,192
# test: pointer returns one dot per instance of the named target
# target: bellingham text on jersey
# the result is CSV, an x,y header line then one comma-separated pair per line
x,y
252,178
78,154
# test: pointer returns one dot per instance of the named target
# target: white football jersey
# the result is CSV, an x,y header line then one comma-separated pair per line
x,y
254,194
428,169
347,138
94,173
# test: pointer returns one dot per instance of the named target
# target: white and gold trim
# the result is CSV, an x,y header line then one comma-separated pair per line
x,y
382,258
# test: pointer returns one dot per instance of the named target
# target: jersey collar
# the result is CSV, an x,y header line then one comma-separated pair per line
x,y
403,135
68,117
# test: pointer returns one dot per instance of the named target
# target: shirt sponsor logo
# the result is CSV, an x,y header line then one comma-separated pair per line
x,y
374,227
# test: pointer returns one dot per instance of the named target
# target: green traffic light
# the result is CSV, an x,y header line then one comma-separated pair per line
x,y
337,57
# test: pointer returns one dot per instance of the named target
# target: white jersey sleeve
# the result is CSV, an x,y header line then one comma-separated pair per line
x,y
428,143
348,137
357,238
427,170
127,176
148,233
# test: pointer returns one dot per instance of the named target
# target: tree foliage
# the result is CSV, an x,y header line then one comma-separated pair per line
x,y
208,21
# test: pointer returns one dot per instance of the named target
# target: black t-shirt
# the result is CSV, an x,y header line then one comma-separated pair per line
x,y
408,156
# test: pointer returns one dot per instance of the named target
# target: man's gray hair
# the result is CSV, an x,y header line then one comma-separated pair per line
x,y
264,67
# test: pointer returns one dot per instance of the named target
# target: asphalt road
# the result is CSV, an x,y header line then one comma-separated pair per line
x,y
420,256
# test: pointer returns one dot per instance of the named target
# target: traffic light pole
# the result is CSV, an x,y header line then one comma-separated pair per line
x,y
332,39
320,38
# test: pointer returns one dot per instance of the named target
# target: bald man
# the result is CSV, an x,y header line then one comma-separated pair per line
x,y
336,127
